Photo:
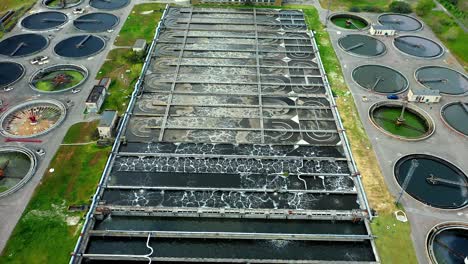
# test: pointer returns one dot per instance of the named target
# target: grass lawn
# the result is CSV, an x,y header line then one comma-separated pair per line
x,y
344,5
123,82
82,132
21,6
452,35
140,24
46,84
42,235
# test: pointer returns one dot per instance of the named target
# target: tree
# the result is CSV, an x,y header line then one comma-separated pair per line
x,y
424,7
400,7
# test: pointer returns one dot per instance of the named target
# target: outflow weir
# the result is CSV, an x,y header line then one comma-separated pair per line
x,y
224,156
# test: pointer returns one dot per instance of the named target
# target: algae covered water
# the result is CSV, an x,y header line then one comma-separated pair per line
x,y
414,126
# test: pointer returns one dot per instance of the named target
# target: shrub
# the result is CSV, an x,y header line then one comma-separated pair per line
x,y
355,9
451,34
372,9
400,7
424,7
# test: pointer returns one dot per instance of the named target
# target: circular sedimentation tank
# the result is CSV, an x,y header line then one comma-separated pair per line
x,y
447,243
59,4
418,47
413,124
10,73
96,22
32,118
17,166
447,81
58,78
400,22
362,45
380,79
108,4
44,20
23,45
433,181
455,115
80,46
349,21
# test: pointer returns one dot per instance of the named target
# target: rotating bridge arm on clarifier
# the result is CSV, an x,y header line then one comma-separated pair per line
x,y
434,180
465,106
355,46
52,20
433,80
82,42
22,44
408,43
379,79
95,21
395,21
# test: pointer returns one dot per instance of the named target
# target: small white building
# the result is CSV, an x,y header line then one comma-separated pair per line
x,y
424,96
95,99
140,45
107,124
380,30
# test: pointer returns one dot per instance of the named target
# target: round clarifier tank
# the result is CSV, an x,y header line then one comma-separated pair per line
x,y
108,4
80,46
380,79
44,20
433,181
23,45
32,118
401,120
58,78
17,166
10,73
400,22
447,243
447,81
362,45
58,4
418,47
96,22
455,115
349,21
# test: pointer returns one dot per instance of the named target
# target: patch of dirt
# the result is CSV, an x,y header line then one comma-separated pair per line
x,y
72,220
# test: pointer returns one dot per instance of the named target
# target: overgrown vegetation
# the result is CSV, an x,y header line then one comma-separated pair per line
x,y
449,32
356,5
423,7
83,132
400,7
458,8
120,66
20,6
141,23
47,232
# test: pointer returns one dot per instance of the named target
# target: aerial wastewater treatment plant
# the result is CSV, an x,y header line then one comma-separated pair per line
x,y
232,122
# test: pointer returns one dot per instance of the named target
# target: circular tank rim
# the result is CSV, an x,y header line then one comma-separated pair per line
x,y
82,57
359,55
418,57
30,54
60,8
413,107
446,94
79,67
31,171
446,123
111,9
416,30
418,201
17,80
349,14
97,31
33,101
438,228
48,29
371,91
